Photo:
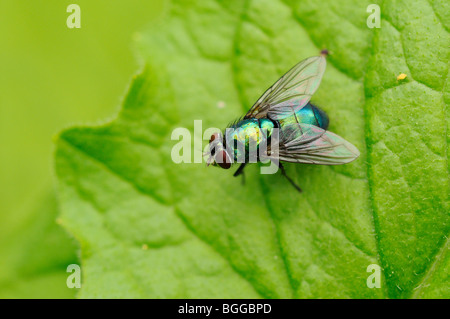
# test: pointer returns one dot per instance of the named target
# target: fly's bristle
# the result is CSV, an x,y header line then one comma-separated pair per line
x,y
235,122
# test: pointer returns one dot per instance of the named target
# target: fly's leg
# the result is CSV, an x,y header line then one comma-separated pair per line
x,y
283,172
240,171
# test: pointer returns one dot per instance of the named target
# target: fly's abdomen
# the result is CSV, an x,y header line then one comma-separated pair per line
x,y
309,114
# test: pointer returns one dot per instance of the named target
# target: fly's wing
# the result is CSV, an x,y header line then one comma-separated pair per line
x,y
309,144
291,92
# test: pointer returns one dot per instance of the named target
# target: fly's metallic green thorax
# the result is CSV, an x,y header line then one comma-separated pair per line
x,y
247,135
309,114
267,126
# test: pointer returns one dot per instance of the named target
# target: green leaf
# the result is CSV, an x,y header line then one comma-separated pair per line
x,y
69,75
152,228
35,256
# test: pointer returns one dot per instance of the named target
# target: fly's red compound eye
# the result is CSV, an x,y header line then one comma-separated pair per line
x,y
223,159
212,147
213,137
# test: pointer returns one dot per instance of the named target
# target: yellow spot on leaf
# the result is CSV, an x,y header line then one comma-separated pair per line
x,y
402,76
144,247
221,104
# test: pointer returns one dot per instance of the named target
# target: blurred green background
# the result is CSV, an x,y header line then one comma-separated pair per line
x,y
52,77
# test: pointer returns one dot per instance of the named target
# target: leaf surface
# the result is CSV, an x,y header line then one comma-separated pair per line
x,y
151,228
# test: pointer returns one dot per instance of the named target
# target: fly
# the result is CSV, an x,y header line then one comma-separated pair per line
x,y
302,127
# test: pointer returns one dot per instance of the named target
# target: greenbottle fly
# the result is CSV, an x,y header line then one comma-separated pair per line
x,y
301,127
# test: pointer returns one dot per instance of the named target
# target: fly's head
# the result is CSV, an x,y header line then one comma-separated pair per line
x,y
218,155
